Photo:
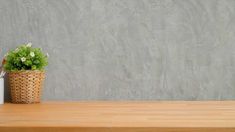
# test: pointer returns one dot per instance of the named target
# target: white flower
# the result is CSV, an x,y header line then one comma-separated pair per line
x,y
5,56
32,54
47,55
16,50
23,59
29,45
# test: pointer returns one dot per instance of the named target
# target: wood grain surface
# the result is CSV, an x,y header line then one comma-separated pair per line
x,y
163,116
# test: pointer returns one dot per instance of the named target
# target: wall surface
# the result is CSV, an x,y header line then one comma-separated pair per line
x,y
128,49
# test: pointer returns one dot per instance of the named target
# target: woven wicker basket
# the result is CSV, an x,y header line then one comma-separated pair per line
x,y
26,86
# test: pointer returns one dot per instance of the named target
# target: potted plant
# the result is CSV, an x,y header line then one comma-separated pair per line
x,y
25,68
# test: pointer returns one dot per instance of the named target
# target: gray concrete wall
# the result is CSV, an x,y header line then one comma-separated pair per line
x,y
128,49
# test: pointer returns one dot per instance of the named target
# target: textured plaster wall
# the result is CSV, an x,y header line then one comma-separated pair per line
x,y
128,49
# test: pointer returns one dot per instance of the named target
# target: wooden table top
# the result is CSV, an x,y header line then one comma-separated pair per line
x,y
176,115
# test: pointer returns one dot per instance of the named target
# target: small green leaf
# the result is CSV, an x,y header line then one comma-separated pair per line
x,y
34,67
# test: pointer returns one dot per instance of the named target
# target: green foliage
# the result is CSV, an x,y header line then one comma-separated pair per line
x,y
25,57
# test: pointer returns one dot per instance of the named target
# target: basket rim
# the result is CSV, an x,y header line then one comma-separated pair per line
x,y
27,71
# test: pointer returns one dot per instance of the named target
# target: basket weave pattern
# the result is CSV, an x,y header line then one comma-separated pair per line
x,y
26,86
